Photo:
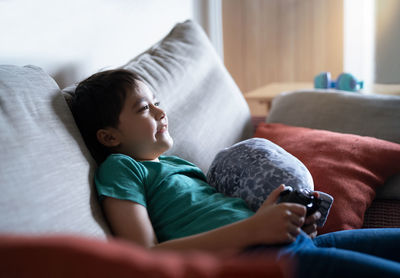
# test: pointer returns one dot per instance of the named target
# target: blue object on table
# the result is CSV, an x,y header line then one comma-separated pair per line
x,y
345,82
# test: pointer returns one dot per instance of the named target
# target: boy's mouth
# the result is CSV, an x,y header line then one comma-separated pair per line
x,y
162,128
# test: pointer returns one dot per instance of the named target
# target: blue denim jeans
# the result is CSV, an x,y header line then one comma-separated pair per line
x,y
350,253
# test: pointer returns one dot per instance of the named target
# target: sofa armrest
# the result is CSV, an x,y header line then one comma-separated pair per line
x,y
65,256
367,115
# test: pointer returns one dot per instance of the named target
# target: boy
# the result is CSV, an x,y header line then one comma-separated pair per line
x,y
164,202
135,130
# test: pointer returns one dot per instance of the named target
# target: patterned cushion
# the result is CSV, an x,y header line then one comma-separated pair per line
x,y
253,168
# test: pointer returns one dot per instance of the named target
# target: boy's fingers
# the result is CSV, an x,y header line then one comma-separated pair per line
x,y
294,230
297,209
298,221
273,197
311,230
313,218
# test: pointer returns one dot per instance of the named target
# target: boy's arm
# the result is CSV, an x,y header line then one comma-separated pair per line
x,y
273,223
130,221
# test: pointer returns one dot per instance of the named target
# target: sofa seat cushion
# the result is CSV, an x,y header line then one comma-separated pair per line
x,y
45,169
67,256
348,167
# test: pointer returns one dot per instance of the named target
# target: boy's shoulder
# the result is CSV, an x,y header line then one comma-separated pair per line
x,y
119,157
116,158
173,158
117,162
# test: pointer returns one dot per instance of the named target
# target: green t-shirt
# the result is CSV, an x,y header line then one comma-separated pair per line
x,y
175,192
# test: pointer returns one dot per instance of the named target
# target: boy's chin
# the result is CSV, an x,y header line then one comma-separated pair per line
x,y
169,142
168,147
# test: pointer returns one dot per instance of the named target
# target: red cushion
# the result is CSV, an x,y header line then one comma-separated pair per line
x,y
71,256
349,167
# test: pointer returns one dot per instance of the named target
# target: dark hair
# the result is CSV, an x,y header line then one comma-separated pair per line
x,y
97,104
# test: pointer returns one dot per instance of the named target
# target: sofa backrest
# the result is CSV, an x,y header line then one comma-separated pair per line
x,y
45,169
362,114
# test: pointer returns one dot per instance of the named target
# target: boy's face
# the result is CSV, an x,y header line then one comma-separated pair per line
x,y
142,132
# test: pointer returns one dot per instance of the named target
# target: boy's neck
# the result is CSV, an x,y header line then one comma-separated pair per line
x,y
154,160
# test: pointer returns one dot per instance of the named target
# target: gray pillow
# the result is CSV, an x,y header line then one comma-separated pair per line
x,y
253,168
206,110
191,82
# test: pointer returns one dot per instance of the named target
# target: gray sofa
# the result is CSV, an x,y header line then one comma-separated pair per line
x,y
46,171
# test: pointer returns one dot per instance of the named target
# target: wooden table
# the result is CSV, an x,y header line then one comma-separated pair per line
x,y
260,99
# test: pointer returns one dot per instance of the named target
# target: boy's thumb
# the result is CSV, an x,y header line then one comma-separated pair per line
x,y
273,197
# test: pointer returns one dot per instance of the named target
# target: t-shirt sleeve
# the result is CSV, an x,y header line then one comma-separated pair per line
x,y
121,177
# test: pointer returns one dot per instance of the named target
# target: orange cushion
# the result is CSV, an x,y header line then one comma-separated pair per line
x,y
348,167
72,256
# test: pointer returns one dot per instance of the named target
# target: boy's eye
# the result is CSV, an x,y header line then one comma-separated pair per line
x,y
144,108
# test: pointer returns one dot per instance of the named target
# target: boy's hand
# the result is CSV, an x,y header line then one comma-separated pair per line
x,y
273,197
278,223
310,226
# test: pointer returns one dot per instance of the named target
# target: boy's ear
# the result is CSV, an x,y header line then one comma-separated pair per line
x,y
107,137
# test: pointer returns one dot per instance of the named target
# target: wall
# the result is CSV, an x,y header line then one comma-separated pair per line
x,y
269,41
387,55
281,40
72,39
208,13
359,41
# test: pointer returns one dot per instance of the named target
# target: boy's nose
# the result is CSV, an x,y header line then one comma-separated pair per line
x,y
159,113
162,115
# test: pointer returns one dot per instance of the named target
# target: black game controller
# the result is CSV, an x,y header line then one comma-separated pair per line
x,y
303,197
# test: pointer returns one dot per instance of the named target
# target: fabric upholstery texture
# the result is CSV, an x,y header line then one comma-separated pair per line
x,y
368,115
348,167
67,256
383,214
45,169
206,109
